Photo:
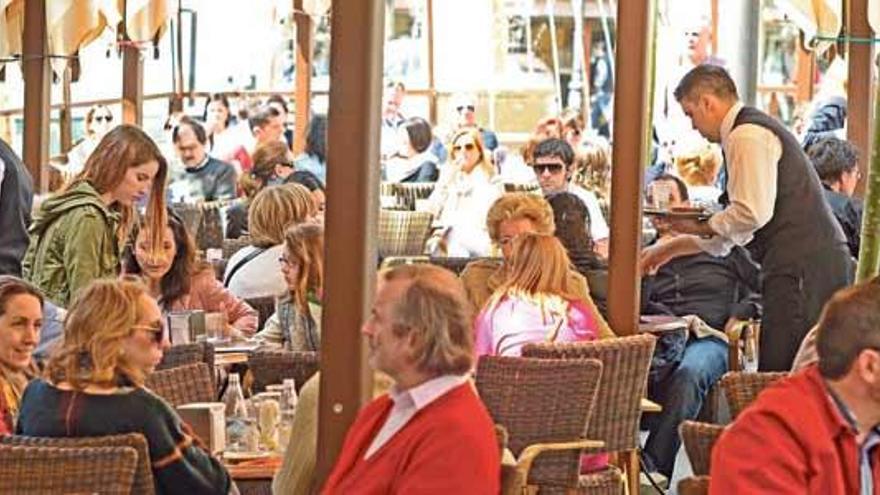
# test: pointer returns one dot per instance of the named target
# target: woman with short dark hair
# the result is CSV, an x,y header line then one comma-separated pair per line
x,y
414,161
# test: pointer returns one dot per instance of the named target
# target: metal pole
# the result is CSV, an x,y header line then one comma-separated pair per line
x,y
352,214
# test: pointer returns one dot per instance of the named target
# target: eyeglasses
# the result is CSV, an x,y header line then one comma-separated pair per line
x,y
464,147
156,331
553,168
461,108
286,164
104,118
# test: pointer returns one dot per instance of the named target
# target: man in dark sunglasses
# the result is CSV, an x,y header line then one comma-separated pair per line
x,y
552,161
466,108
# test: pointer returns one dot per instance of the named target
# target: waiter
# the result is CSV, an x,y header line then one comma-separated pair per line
x,y
773,206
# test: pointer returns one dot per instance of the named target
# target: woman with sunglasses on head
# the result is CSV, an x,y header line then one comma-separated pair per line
x,y
77,235
179,281
94,386
465,191
414,161
21,317
296,326
98,122
273,165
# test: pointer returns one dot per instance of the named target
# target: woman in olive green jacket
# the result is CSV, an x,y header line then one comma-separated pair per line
x,y
77,236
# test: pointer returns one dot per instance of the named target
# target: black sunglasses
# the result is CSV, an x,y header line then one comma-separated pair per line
x,y
156,331
103,118
553,168
286,164
468,147
460,108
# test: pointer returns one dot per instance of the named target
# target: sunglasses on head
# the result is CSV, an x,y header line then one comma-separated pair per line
x,y
553,168
461,108
156,331
104,118
461,147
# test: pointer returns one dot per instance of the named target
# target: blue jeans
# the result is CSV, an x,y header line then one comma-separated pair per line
x,y
682,396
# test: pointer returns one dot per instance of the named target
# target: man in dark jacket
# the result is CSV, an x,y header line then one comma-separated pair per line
x,y
205,178
16,200
836,162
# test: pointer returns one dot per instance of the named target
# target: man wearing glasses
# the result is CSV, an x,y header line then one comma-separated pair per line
x,y
204,178
552,161
465,108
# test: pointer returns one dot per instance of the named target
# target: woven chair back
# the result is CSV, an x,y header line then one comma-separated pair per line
x,y
271,366
625,363
541,401
698,439
42,470
528,187
183,384
143,476
184,354
403,233
741,388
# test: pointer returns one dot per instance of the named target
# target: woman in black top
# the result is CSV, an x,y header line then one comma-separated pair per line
x,y
113,336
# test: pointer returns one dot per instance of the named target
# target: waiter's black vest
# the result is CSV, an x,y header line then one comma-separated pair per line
x,y
802,222
16,198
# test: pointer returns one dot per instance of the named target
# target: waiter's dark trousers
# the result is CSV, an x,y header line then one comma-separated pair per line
x,y
793,297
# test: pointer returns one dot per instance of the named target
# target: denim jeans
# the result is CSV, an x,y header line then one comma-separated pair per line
x,y
681,396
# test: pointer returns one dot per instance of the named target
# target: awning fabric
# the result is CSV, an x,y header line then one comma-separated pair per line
x,y
11,27
816,18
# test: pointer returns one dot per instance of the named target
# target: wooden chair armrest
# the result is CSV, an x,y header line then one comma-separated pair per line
x,y
735,329
528,455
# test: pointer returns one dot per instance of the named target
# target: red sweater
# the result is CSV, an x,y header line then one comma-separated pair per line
x,y
447,447
792,440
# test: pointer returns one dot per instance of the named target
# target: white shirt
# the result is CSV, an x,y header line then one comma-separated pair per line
x,y
259,277
408,402
598,226
752,154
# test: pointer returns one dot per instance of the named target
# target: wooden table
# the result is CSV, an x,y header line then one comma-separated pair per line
x,y
254,477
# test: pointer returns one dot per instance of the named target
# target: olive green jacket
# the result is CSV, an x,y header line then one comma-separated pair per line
x,y
72,242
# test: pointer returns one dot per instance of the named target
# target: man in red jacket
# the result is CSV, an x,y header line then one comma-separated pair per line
x,y
430,434
815,432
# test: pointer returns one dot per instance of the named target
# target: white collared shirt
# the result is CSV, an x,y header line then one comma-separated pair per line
x,y
752,155
408,402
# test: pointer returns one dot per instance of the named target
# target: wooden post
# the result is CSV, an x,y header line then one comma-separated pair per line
x,y
352,206
65,117
35,68
432,90
804,67
629,160
132,85
303,91
860,58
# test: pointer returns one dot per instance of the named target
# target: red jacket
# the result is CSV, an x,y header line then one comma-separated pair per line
x,y
449,447
792,440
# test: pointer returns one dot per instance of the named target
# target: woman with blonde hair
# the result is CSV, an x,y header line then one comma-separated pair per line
x,y
254,271
465,191
93,386
536,303
699,170
272,165
78,235
296,325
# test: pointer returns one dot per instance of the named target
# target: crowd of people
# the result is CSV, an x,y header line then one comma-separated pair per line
x,y
112,256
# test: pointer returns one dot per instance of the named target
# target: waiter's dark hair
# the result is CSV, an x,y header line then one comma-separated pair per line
x,y
706,78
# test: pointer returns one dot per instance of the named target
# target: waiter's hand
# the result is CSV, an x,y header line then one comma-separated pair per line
x,y
664,251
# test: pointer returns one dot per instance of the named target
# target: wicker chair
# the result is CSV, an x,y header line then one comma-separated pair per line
x,y
52,470
615,421
232,246
403,233
184,384
183,354
269,366
741,388
529,187
694,485
545,407
406,193
143,475
265,307
698,440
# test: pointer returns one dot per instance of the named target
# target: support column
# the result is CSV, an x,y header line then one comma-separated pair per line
x,y
630,156
858,92
432,90
35,68
351,219
303,91
65,117
132,85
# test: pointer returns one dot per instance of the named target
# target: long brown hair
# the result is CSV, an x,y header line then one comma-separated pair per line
x,y
538,265
124,147
185,265
96,326
305,246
